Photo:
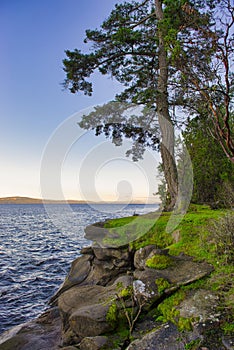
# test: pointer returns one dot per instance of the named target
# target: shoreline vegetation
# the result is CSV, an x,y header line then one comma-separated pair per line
x,y
163,290
29,200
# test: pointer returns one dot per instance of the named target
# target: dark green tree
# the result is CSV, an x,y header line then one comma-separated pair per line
x,y
213,174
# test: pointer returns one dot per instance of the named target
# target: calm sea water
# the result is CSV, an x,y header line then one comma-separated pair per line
x,y
37,245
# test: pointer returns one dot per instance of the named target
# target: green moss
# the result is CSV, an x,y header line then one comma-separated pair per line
x,y
125,292
162,284
202,283
168,312
117,338
159,262
195,239
193,345
184,324
126,230
156,235
228,328
112,314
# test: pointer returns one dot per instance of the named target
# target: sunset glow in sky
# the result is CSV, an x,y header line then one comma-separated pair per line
x,y
33,37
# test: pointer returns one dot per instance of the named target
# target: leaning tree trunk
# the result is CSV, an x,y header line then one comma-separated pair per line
x,y
164,119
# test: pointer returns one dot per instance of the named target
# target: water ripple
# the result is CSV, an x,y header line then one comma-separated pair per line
x,y
35,255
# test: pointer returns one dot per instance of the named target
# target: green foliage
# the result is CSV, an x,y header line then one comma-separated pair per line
x,y
159,262
121,48
184,324
156,234
196,240
213,173
112,314
126,46
193,345
162,284
124,292
228,328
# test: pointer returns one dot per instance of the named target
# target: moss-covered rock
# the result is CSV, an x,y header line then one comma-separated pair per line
x,y
159,262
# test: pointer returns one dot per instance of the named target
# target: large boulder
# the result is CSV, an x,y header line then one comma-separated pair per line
x,y
84,309
41,334
105,253
79,271
182,270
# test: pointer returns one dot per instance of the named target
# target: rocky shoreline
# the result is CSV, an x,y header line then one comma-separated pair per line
x,y
119,298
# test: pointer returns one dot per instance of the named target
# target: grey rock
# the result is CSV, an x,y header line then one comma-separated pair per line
x,y
84,308
80,269
111,253
91,320
96,232
93,343
87,250
41,334
102,272
141,255
76,297
167,337
228,342
110,237
182,271
200,304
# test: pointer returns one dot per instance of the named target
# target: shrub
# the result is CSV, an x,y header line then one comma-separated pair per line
x,y
222,234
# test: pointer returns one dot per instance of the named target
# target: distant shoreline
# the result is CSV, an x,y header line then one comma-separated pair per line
x,y
28,200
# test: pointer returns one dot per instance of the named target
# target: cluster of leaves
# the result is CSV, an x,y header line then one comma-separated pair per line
x,y
118,120
124,47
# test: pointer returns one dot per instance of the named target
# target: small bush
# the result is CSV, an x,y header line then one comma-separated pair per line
x,y
222,235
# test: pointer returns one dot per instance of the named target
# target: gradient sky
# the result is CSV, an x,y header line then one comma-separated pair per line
x,y
33,37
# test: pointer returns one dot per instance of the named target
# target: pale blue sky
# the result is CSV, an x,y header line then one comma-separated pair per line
x,y
33,37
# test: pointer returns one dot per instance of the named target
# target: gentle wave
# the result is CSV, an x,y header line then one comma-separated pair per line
x,y
36,253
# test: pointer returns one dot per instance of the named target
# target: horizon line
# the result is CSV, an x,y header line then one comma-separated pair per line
x,y
43,200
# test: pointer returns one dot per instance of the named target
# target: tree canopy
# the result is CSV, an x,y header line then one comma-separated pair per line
x,y
166,53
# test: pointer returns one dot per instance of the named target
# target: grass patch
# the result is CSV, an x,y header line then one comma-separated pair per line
x,y
205,234
127,230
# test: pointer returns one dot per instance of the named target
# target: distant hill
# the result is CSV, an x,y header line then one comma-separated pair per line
x,y
28,200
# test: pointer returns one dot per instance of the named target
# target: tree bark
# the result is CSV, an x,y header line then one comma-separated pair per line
x,y
164,119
